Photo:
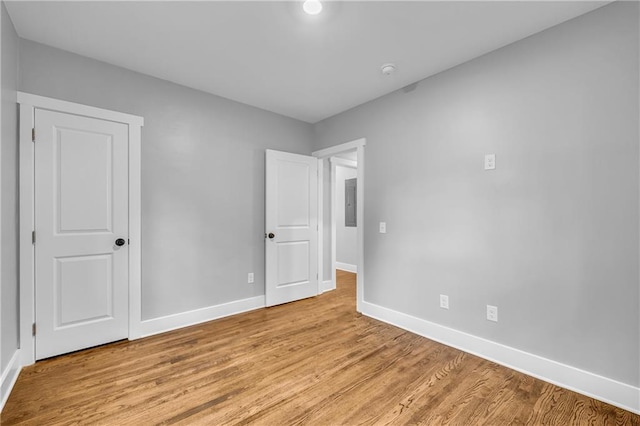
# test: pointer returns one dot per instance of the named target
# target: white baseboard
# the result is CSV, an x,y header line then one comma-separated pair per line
x,y
347,267
185,319
9,377
328,285
604,389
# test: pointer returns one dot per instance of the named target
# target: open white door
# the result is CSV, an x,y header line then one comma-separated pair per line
x,y
81,232
291,240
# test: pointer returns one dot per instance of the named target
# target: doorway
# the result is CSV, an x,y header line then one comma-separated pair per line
x,y
327,232
344,223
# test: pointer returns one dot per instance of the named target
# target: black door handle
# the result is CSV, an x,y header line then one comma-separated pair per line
x,y
272,235
120,242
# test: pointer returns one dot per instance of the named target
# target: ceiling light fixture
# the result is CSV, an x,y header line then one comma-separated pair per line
x,y
312,7
388,69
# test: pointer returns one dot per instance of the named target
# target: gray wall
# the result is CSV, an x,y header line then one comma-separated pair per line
x,y
202,175
9,185
346,237
551,235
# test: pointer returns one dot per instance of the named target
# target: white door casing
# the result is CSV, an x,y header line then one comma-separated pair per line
x,y
29,103
291,216
81,200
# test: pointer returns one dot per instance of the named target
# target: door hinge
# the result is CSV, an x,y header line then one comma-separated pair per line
x,y
33,329
33,134
33,237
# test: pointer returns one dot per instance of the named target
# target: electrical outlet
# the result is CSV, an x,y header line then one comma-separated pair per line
x,y
444,301
492,313
490,162
383,227
250,277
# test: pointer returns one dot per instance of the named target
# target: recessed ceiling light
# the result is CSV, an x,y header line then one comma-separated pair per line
x,y
312,7
388,69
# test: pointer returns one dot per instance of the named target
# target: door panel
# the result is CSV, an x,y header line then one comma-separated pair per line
x,y
291,215
83,289
293,267
84,187
293,194
81,199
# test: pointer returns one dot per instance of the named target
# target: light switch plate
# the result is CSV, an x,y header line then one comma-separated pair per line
x,y
490,162
383,227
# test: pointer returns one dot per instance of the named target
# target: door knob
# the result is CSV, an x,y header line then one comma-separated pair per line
x,y
120,242
272,235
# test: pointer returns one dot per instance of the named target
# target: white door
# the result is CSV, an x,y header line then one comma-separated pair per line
x,y
291,241
81,210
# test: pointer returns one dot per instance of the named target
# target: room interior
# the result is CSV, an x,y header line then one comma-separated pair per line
x,y
549,236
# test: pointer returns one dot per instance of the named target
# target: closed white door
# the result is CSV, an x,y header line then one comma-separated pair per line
x,y
291,227
81,221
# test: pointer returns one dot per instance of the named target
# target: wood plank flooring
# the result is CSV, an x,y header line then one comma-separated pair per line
x,y
313,362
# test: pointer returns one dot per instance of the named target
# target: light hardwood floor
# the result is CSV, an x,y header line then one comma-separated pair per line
x,y
313,362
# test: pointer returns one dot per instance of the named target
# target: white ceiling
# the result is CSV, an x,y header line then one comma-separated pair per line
x,y
273,56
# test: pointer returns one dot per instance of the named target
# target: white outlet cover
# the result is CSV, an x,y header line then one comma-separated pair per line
x,y
383,227
250,277
490,162
492,313
444,301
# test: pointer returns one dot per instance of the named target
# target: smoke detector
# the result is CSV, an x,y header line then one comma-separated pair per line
x,y
388,69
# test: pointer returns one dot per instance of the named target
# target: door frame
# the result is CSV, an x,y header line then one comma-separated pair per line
x,y
324,154
28,103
